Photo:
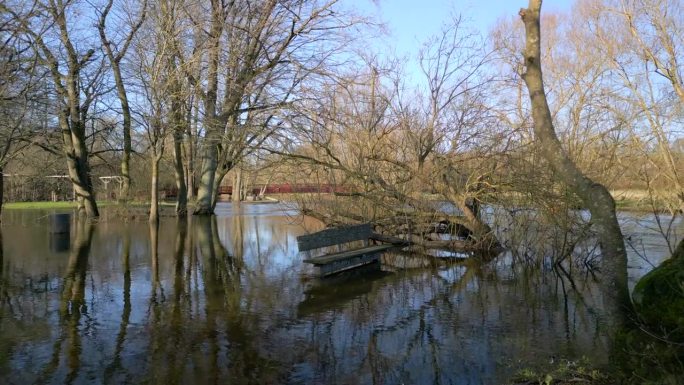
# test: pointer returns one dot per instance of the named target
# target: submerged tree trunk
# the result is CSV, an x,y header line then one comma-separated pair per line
x,y
594,196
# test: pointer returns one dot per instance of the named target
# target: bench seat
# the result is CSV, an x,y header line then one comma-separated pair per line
x,y
329,258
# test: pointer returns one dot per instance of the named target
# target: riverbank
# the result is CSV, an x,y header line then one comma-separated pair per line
x,y
630,200
641,201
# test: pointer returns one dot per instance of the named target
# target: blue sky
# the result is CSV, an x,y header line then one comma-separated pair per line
x,y
410,22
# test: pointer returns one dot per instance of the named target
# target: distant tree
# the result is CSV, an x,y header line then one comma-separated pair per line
x,y
254,55
643,42
115,52
158,80
20,79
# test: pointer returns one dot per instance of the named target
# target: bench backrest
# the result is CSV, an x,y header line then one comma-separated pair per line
x,y
334,236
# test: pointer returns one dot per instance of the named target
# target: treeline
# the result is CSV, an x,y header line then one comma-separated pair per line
x,y
182,93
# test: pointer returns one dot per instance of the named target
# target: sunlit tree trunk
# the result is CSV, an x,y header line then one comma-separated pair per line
x,y
76,94
593,195
237,185
205,192
76,152
154,189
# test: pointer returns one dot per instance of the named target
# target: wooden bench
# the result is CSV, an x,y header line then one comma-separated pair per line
x,y
342,260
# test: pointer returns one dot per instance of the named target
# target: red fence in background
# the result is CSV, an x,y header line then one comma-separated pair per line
x,y
282,188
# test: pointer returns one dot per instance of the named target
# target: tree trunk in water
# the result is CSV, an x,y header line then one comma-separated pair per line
x,y
79,173
217,186
594,196
205,193
154,192
236,196
213,124
182,196
2,192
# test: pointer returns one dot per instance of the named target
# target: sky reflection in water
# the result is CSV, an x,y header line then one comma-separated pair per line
x,y
229,300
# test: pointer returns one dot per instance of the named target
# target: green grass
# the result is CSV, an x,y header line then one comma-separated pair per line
x,y
38,205
46,205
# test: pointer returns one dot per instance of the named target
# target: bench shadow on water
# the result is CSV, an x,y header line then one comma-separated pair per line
x,y
207,300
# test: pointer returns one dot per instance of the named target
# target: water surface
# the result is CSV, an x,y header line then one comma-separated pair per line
x,y
228,300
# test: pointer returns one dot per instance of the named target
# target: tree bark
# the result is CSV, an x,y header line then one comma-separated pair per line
x,y
236,196
205,191
2,195
179,171
212,122
126,156
154,192
76,152
190,145
594,196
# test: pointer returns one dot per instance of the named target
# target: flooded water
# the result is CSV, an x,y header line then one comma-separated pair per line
x,y
228,300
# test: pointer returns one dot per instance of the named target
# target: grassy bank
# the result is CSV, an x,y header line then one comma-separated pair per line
x,y
642,201
68,205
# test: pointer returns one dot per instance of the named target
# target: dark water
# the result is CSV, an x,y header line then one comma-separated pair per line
x,y
228,300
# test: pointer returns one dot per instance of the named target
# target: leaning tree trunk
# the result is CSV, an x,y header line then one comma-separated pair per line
x,y
594,196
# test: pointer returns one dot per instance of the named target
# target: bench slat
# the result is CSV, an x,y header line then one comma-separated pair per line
x,y
334,236
329,258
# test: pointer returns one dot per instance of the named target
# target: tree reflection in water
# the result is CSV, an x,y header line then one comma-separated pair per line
x,y
72,306
211,300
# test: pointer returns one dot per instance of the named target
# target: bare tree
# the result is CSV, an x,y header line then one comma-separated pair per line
x,y
593,195
643,43
115,53
251,51
76,74
159,79
20,79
